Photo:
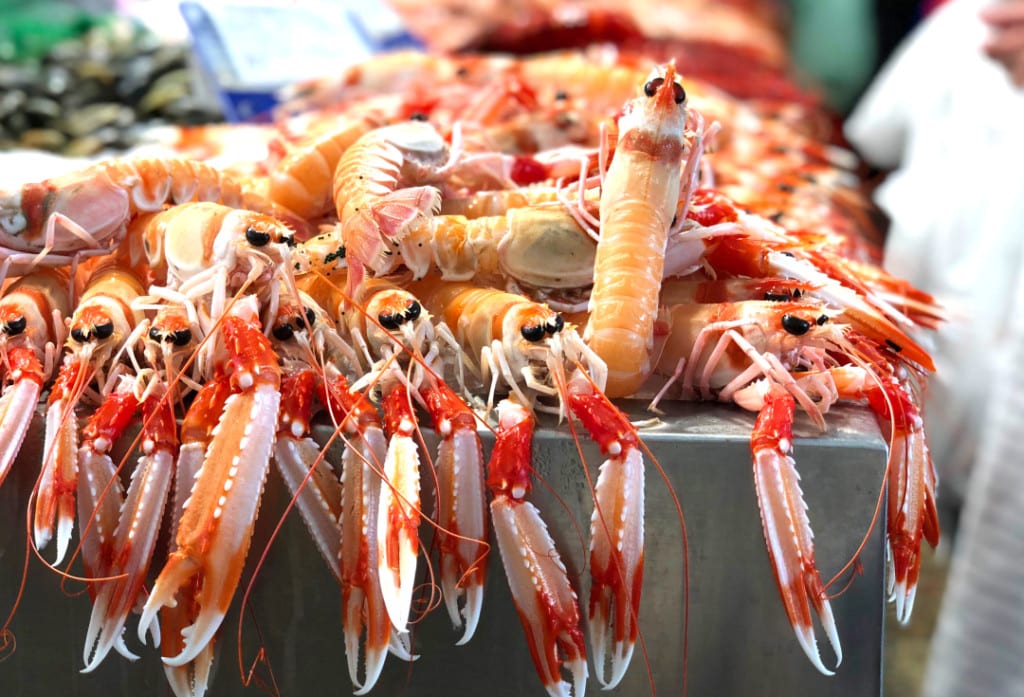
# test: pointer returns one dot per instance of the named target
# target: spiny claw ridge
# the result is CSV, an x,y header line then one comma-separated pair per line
x,y
55,499
461,512
616,563
17,407
176,573
319,501
216,527
365,621
543,596
133,543
400,644
787,529
375,648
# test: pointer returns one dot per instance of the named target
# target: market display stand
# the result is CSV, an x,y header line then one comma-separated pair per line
x,y
740,643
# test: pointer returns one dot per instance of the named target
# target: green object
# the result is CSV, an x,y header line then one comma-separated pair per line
x,y
834,43
29,29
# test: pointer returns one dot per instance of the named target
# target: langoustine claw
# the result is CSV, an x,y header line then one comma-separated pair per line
x,y
911,506
190,679
362,603
787,530
99,325
461,506
317,493
32,313
216,527
398,517
616,530
912,512
537,578
18,404
100,500
135,537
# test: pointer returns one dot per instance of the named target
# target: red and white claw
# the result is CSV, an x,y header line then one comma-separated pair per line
x,y
398,516
547,604
787,530
317,494
189,680
55,490
18,403
461,507
362,603
911,487
363,610
100,498
912,512
100,501
135,537
216,526
616,531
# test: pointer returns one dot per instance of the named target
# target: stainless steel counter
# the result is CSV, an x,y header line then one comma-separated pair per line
x,y
740,643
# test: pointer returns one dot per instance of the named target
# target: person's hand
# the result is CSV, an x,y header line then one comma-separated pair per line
x,y
1006,36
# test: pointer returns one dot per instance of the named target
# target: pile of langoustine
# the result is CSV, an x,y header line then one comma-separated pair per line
x,y
448,232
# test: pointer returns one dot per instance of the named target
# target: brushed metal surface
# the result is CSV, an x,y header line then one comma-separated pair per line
x,y
740,643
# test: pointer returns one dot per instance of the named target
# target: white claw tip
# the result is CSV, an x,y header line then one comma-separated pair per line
x,y
805,637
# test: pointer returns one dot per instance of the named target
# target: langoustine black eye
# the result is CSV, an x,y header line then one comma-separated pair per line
x,y
678,93
283,332
181,337
15,326
103,331
533,332
257,238
652,87
795,325
80,335
554,325
390,320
